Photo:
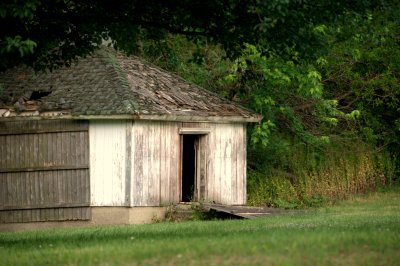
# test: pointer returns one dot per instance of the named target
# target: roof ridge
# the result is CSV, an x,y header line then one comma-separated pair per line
x,y
124,91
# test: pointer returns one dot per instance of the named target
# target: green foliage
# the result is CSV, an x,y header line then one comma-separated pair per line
x,y
362,72
288,94
16,44
65,30
360,80
12,44
19,9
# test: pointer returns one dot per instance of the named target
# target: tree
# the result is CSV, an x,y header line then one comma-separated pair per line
x,y
49,33
362,71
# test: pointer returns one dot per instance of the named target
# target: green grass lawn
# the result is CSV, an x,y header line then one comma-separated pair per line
x,y
362,231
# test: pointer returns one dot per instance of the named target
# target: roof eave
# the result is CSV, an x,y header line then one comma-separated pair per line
x,y
194,118
153,117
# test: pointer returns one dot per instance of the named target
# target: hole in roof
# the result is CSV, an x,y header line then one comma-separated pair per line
x,y
37,95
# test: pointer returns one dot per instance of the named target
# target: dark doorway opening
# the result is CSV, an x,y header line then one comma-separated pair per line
x,y
188,167
37,95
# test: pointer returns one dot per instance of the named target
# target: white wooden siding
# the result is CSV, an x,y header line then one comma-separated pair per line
x,y
170,163
108,151
155,163
226,162
226,167
139,163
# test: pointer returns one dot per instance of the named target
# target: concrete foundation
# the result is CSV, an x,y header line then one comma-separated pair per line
x,y
122,215
100,216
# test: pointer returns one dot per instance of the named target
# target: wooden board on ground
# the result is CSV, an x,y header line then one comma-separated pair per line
x,y
247,212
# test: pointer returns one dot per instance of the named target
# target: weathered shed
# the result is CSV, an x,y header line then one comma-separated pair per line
x,y
114,139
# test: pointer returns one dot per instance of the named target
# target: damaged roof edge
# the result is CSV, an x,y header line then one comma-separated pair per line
x,y
171,118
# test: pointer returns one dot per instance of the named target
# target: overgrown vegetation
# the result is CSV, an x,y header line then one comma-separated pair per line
x,y
362,231
306,176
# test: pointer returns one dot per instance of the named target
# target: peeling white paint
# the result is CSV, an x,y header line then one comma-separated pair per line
x,y
107,162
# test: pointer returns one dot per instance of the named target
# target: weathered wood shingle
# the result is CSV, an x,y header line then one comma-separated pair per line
x,y
108,84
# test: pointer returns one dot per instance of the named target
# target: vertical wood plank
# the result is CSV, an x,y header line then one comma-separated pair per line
x,y
233,168
107,162
3,189
165,147
152,185
146,166
9,154
2,152
128,161
176,163
219,163
132,188
170,160
203,167
41,188
243,164
138,165
210,164
157,161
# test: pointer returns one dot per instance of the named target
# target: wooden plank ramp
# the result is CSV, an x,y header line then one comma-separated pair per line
x,y
241,211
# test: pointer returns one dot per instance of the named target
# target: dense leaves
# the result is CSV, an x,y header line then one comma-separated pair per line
x,y
362,71
49,33
289,95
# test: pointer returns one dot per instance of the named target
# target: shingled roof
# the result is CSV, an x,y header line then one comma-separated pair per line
x,y
110,85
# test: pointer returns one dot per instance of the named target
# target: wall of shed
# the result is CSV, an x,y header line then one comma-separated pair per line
x,y
138,163
156,162
226,167
44,171
109,153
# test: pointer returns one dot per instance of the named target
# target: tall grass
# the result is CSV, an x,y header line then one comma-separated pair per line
x,y
309,176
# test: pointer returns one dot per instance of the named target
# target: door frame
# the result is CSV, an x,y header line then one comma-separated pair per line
x,y
200,163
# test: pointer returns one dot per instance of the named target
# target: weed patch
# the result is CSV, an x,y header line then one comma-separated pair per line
x,y
307,177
